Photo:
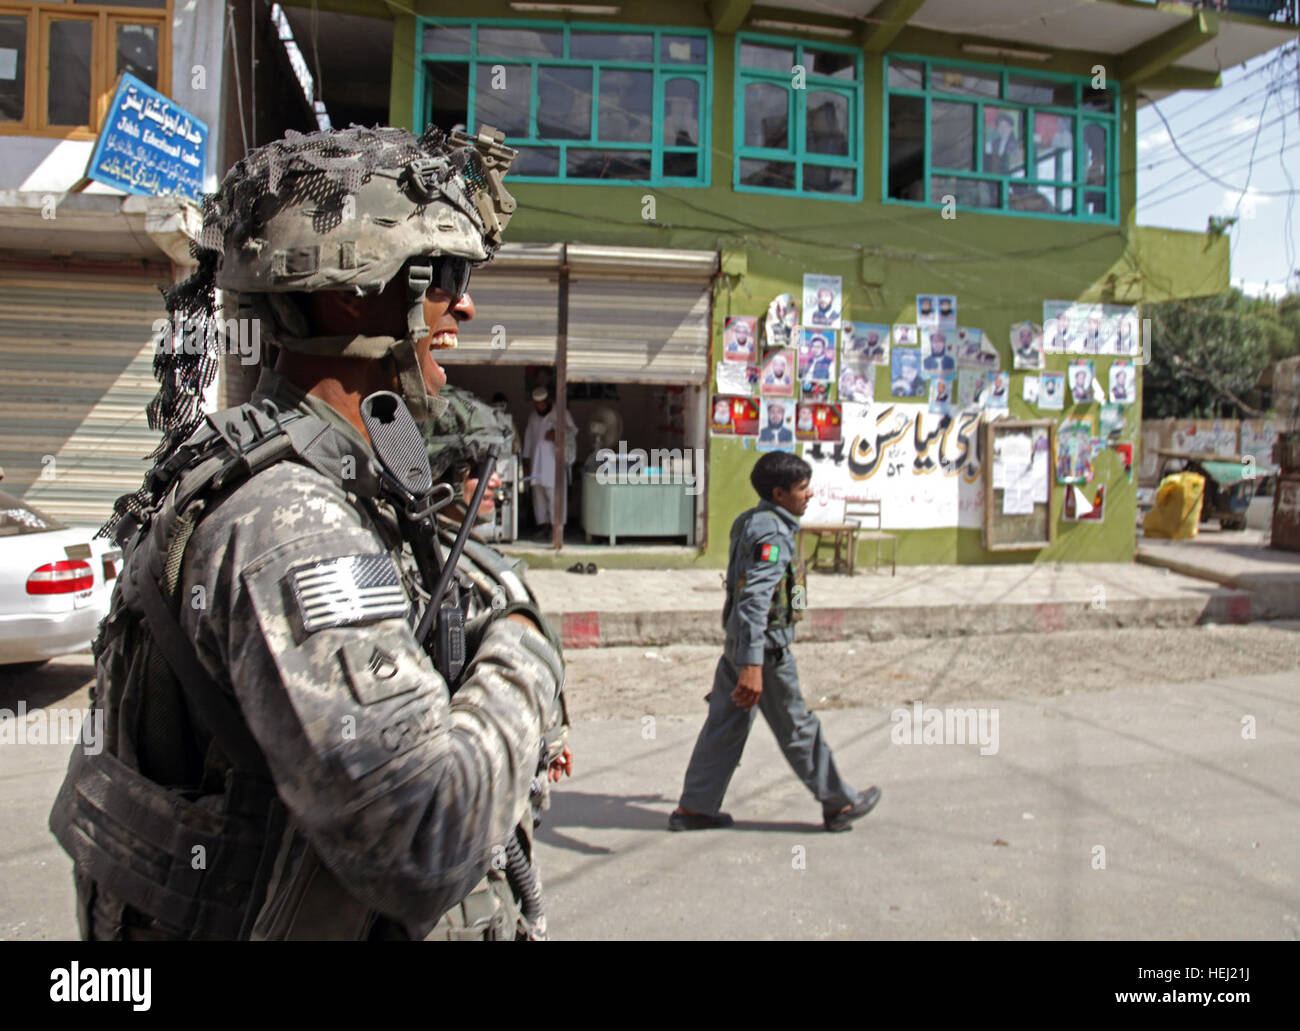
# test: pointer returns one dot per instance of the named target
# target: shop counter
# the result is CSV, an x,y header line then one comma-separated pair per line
x,y
617,510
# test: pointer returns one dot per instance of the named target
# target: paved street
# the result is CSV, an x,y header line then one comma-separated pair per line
x,y
1198,825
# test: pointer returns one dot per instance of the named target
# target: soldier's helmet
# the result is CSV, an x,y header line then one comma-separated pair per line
x,y
460,438
351,210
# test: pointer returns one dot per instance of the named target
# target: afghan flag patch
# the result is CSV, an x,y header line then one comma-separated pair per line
x,y
769,553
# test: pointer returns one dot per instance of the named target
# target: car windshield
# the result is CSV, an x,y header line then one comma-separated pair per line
x,y
17,518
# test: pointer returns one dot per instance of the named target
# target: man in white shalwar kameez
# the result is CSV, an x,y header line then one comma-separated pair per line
x,y
539,453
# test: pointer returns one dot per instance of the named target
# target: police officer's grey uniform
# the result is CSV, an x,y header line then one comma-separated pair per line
x,y
765,594
382,800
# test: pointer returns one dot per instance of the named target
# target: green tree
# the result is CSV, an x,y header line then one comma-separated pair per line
x,y
1207,354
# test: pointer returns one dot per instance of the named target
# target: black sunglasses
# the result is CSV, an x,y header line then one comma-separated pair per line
x,y
451,276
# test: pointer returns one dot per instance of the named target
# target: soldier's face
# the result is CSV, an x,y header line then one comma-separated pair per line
x,y
443,317
795,498
470,484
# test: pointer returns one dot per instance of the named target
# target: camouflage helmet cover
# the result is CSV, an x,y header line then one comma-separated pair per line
x,y
346,209
462,435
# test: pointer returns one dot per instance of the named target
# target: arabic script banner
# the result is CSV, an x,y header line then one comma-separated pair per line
x,y
923,468
149,145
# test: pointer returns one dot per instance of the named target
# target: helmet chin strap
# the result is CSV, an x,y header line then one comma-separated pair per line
x,y
410,376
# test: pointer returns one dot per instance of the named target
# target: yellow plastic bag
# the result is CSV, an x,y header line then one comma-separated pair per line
x,y
1177,511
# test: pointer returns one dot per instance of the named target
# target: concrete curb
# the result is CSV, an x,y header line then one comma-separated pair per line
x,y
879,623
1272,596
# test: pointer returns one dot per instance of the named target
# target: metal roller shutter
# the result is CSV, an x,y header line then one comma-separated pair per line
x,y
634,331
523,306
76,372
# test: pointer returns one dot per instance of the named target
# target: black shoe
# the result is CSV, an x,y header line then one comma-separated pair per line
x,y
591,568
844,821
698,821
577,568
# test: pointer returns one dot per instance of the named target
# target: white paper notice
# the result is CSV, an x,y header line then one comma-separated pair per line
x,y
1017,501
1038,474
733,378
8,63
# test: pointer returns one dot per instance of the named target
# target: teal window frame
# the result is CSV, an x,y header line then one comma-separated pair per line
x,y
662,70
1081,115
795,153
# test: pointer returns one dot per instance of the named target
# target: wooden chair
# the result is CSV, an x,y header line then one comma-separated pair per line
x,y
835,536
855,514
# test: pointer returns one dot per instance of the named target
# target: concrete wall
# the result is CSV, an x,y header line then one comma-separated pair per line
x,y
40,163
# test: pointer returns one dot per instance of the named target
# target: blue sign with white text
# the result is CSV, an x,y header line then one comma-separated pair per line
x,y
149,145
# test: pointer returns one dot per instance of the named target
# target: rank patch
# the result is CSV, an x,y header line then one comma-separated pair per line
x,y
769,553
348,591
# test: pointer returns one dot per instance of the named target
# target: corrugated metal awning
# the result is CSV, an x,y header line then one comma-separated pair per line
x,y
76,372
636,314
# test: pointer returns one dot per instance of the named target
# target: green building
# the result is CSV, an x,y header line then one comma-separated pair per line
x,y
683,163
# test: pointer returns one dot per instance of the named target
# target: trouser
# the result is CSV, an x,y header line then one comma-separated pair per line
x,y
726,728
544,505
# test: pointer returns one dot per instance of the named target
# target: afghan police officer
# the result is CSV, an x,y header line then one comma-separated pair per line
x,y
766,595
283,758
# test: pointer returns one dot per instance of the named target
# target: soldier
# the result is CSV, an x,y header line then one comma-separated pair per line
x,y
766,594
282,757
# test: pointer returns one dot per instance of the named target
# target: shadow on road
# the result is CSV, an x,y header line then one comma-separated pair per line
x,y
46,684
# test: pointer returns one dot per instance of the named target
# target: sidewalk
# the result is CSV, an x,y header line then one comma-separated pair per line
x,y
1238,560
684,606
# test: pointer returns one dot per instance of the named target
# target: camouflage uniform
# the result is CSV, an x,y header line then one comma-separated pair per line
x,y
281,758
766,593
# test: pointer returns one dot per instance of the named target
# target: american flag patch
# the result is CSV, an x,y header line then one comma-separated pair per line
x,y
347,591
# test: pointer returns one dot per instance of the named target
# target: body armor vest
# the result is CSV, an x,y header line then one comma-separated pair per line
x,y
176,819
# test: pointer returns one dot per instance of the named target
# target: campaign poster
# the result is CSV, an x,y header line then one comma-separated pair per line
x,y
823,298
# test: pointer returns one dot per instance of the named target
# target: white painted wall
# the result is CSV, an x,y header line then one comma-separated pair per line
x,y
38,163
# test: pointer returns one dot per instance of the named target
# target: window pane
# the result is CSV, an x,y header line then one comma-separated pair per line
x,y
683,49
1004,141
827,123
536,161
906,75
681,113
502,96
767,116
444,40
13,67
626,106
1053,146
829,62
611,46
957,80
448,94
952,135
69,93
1029,89
1095,140
563,103
778,175
1098,99
819,179
137,52
906,148
968,193
682,166
776,59
519,43
608,164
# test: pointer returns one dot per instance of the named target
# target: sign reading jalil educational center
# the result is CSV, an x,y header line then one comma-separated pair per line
x,y
149,145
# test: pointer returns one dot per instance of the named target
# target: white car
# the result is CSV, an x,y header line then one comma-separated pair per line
x,y
55,583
